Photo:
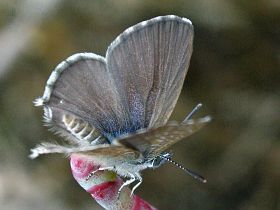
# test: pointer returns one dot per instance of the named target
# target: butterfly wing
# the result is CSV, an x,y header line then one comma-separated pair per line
x,y
148,63
153,142
100,152
112,155
135,87
81,87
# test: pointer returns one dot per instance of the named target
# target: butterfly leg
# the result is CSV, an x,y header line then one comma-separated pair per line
x,y
139,178
110,168
128,182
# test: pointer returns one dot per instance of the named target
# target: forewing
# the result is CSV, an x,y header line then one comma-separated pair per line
x,y
81,87
148,63
154,141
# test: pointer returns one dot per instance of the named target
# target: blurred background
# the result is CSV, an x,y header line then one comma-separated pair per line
x,y
234,72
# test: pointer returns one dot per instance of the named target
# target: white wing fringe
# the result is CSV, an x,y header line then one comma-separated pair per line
x,y
46,148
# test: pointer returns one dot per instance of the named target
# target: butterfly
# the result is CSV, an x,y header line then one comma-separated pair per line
x,y
115,109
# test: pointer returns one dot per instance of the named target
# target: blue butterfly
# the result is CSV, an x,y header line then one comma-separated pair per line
x,y
114,109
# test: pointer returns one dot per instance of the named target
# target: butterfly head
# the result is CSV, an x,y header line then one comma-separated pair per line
x,y
159,160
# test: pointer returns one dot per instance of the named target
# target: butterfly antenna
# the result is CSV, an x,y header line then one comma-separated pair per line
x,y
195,109
188,171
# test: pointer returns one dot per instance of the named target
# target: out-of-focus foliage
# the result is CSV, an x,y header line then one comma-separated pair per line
x,y
234,72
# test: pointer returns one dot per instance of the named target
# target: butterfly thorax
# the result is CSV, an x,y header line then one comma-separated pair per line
x,y
126,169
135,166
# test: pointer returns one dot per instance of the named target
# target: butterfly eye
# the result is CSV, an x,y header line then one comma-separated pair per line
x,y
161,159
